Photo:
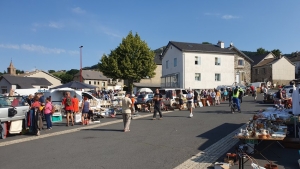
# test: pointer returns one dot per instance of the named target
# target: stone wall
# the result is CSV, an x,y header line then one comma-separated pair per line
x,y
246,76
262,76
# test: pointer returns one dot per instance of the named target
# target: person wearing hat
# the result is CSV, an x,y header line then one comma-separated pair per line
x,y
126,111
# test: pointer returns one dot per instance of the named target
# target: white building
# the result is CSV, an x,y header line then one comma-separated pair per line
x,y
197,66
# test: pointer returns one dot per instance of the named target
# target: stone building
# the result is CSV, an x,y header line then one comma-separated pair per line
x,y
242,66
268,67
11,70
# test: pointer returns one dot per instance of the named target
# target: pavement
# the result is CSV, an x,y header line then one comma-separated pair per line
x,y
177,141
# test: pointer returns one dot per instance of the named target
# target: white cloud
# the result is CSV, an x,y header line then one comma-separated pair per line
x,y
55,25
78,10
212,14
9,46
39,49
230,17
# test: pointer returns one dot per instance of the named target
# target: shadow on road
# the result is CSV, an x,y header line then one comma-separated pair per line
x,y
217,133
103,130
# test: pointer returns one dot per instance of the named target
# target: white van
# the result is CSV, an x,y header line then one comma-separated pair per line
x,y
172,93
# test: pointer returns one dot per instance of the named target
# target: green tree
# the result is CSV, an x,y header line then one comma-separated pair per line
x,y
19,71
51,71
206,43
132,60
261,51
276,52
65,78
72,72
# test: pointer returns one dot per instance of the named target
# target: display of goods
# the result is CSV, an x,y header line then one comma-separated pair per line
x,y
262,136
271,166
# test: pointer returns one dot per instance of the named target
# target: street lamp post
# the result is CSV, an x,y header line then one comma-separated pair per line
x,y
81,63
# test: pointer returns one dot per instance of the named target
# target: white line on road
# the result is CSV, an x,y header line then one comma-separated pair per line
x,y
205,158
69,131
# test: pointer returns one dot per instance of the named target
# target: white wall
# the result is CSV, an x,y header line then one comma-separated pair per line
x,y
207,68
186,68
283,70
172,53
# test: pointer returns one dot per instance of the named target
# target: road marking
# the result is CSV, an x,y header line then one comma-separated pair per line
x,y
208,156
69,131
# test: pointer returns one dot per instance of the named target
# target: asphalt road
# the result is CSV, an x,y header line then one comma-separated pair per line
x,y
150,144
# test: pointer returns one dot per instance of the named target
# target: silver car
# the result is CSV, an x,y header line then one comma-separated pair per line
x,y
11,108
144,98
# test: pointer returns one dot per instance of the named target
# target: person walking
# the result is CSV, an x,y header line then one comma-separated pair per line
x,y
218,97
132,106
190,97
76,104
213,97
47,112
180,100
126,112
241,94
230,93
157,104
235,98
253,90
68,102
85,108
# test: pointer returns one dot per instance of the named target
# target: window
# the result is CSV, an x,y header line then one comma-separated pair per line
x,y
256,71
103,84
241,62
217,61
167,64
217,77
175,62
197,76
90,82
98,83
94,82
197,60
264,70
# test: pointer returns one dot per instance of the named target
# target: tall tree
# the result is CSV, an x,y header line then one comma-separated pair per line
x,y
132,60
51,71
276,52
72,72
261,51
19,71
65,78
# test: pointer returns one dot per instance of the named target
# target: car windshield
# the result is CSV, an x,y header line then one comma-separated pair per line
x,y
11,101
141,96
150,96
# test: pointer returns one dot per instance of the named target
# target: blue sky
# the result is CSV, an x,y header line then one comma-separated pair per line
x,y
47,34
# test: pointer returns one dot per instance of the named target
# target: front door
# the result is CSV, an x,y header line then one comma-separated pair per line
x,y
237,78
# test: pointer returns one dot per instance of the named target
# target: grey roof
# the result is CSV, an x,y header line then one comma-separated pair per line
x,y
240,52
92,74
258,58
34,72
294,59
197,47
26,82
158,52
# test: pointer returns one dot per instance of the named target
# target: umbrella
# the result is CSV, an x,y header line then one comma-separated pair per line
x,y
145,90
76,85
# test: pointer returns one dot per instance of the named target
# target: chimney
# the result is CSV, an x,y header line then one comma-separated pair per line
x,y
231,44
221,44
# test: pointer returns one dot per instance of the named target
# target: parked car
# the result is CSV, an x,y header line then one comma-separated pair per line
x,y
11,108
144,98
289,90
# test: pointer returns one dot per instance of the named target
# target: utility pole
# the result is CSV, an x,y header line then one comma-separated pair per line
x,y
81,63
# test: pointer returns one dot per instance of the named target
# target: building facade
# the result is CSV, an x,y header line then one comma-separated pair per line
x,y
197,66
279,70
97,78
55,81
242,66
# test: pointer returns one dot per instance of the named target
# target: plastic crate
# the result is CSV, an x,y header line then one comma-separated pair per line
x,y
56,119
